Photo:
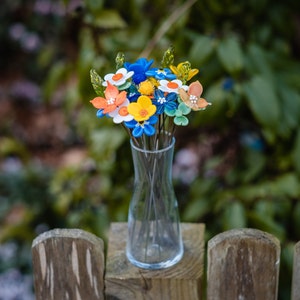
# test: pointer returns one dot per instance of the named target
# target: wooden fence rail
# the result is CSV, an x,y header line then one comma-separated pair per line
x,y
242,264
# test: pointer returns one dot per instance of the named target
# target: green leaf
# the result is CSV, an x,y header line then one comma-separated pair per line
x,y
94,5
230,55
105,151
263,101
56,75
234,216
266,224
168,58
196,209
257,60
288,185
120,58
296,218
106,19
290,106
124,86
265,208
203,47
255,161
97,81
296,152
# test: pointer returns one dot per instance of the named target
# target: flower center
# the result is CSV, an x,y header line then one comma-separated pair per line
x,y
117,76
193,99
161,72
161,100
123,111
172,85
110,101
143,112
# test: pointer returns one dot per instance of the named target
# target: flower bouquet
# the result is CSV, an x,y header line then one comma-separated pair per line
x,y
149,102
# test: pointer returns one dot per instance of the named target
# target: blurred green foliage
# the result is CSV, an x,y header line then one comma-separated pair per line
x,y
248,56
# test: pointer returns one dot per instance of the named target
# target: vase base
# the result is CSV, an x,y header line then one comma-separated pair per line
x,y
155,265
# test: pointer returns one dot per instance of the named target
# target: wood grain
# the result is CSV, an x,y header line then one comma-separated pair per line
x,y
296,273
124,281
68,264
243,264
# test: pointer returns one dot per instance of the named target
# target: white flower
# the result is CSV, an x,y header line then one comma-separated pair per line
x,y
117,78
171,86
121,114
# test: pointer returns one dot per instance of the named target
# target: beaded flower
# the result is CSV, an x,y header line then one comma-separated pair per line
x,y
148,101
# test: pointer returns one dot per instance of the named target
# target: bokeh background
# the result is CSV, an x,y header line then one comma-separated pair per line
x,y
237,164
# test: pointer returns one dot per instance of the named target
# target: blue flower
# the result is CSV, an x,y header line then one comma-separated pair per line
x,y
164,102
228,84
100,113
160,74
252,140
142,127
140,67
133,93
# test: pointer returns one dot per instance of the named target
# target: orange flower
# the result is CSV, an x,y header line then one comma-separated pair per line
x,y
112,99
191,98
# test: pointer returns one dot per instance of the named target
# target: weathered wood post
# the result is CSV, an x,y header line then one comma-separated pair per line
x,y
296,273
123,281
243,264
68,264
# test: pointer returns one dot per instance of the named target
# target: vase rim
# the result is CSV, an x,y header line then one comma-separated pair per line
x,y
155,150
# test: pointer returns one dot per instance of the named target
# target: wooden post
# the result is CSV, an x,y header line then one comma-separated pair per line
x,y
296,273
123,281
68,264
243,264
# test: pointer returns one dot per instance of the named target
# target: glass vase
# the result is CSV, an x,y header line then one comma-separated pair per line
x,y
154,235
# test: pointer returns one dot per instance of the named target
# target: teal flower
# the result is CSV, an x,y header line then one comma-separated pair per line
x,y
179,114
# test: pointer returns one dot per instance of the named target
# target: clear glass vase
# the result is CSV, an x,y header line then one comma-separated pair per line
x,y
154,235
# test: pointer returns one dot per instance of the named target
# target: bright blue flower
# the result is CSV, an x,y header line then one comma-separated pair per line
x,y
161,74
100,113
142,127
164,102
140,67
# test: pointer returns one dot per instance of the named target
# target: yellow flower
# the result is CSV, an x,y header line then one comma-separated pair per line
x,y
146,88
183,71
154,82
142,110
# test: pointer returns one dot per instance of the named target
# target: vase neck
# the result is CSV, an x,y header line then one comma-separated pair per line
x,y
156,163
